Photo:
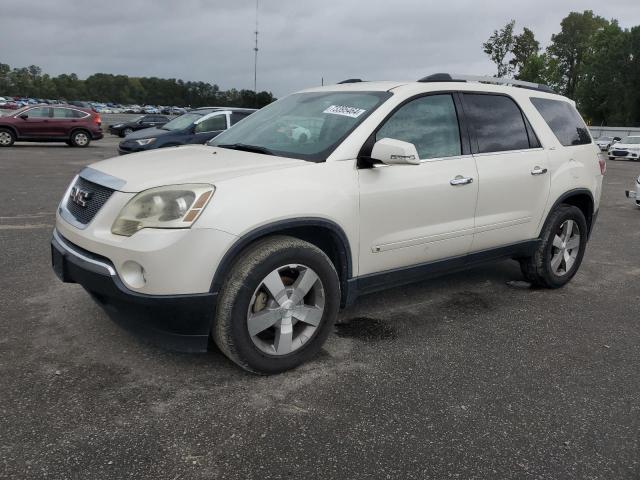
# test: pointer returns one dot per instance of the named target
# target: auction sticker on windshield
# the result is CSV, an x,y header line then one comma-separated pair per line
x,y
352,112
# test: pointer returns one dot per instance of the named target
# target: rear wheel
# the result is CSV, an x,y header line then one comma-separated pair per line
x,y
560,252
7,137
80,138
278,305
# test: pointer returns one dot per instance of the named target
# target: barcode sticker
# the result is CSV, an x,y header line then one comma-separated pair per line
x,y
352,112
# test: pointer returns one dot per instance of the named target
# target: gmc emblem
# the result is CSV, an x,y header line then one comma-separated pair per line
x,y
79,196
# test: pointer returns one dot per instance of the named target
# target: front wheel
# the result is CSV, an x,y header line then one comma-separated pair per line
x,y
7,138
278,306
559,254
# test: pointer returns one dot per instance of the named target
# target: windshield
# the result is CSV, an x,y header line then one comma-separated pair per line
x,y
605,139
182,122
631,140
308,126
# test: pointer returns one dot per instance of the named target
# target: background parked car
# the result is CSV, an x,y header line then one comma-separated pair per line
x,y
634,194
42,123
196,127
604,143
627,148
145,121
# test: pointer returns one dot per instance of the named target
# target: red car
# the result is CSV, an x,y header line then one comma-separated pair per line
x,y
43,123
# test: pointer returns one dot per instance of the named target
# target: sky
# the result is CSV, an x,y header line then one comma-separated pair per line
x,y
300,42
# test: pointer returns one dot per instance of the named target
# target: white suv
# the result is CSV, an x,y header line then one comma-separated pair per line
x,y
257,239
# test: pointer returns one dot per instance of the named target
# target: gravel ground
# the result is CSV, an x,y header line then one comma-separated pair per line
x,y
461,377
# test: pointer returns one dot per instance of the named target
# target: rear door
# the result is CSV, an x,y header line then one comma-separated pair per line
x,y
64,120
37,124
512,170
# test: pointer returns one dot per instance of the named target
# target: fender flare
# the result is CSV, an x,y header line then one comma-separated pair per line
x,y
340,239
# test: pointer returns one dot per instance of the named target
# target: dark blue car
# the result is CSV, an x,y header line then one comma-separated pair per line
x,y
196,127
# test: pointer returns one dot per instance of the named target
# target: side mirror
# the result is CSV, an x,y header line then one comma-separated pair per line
x,y
23,116
395,152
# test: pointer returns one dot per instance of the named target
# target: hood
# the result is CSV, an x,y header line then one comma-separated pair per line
x,y
632,146
147,133
188,164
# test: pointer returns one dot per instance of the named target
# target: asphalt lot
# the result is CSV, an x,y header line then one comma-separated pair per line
x,y
461,377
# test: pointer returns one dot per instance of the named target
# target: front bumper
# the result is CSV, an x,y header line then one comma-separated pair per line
x,y
177,322
634,195
626,156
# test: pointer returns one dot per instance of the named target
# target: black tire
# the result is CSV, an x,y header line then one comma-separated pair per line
x,y
7,137
537,269
230,331
80,138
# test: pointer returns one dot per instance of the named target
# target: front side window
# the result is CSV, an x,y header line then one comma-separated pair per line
x,y
308,126
563,120
497,122
38,112
430,123
212,124
182,122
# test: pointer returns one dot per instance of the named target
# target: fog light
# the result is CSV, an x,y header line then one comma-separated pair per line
x,y
133,274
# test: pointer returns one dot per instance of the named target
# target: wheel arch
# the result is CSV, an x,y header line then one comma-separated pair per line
x,y
11,128
579,197
74,130
325,234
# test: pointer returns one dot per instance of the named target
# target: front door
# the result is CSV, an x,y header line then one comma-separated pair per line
x,y
209,126
37,124
413,214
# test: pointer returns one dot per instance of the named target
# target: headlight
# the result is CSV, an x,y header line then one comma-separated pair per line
x,y
173,206
145,141
118,125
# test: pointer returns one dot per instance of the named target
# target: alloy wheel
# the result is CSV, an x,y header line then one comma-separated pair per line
x,y
566,246
81,139
286,309
5,138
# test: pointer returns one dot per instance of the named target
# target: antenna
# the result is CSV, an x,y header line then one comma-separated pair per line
x,y
255,56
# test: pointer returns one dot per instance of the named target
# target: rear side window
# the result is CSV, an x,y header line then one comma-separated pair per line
x,y
563,120
237,116
67,113
430,123
497,122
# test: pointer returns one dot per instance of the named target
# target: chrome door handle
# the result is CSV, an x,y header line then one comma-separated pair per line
x,y
460,180
538,171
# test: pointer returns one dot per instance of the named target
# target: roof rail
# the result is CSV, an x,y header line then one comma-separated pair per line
x,y
446,77
351,80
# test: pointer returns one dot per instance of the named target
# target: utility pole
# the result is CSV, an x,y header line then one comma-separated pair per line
x,y
255,56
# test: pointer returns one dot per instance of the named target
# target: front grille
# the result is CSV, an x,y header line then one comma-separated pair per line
x,y
619,153
96,198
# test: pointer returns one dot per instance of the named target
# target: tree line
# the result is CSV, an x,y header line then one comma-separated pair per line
x,y
591,60
104,87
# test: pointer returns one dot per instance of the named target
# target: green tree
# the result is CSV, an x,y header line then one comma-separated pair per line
x,y
525,62
499,46
571,45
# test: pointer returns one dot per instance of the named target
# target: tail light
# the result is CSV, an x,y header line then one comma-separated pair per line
x,y
97,119
603,164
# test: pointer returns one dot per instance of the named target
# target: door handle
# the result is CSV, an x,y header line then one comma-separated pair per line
x,y
538,171
460,180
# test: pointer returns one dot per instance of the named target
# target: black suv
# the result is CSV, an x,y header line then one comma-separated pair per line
x,y
196,127
145,121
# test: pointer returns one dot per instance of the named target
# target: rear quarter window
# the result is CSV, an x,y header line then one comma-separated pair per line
x,y
564,121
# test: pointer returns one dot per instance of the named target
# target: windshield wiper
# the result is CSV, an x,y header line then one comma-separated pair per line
x,y
246,148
